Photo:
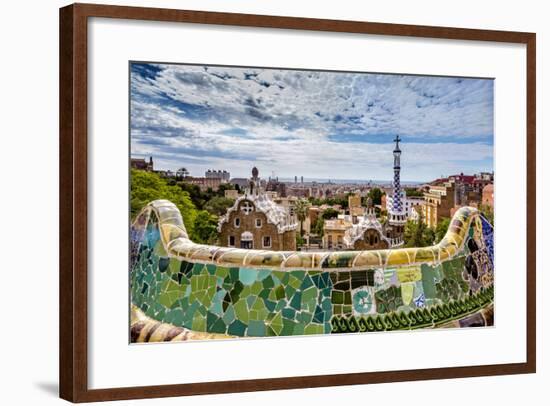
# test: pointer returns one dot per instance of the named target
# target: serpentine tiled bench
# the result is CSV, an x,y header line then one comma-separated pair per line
x,y
255,293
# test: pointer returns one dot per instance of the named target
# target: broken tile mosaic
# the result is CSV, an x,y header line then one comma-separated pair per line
x,y
181,290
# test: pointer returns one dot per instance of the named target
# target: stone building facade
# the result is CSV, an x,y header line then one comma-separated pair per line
x,y
257,222
371,239
334,233
142,164
439,200
368,233
488,195
204,183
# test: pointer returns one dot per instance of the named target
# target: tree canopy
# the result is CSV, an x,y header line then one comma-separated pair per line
x,y
205,231
413,192
488,213
331,201
148,186
200,209
318,227
418,234
441,229
301,207
376,195
329,213
218,205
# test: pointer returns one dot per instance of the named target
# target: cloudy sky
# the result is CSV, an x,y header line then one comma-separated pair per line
x,y
324,125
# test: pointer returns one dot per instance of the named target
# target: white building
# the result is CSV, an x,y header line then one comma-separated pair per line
x,y
217,174
407,203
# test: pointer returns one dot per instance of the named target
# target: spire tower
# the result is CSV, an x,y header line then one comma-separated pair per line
x,y
397,205
396,215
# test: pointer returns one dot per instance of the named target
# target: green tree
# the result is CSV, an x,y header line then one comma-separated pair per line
x,y
329,213
148,186
417,233
194,192
428,237
218,205
205,230
299,240
488,212
441,229
318,227
223,187
300,208
331,201
410,234
182,173
412,192
376,195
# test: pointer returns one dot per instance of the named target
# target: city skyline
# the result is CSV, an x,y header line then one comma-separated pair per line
x,y
319,125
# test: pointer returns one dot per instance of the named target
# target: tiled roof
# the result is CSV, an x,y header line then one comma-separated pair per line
x,y
275,213
356,232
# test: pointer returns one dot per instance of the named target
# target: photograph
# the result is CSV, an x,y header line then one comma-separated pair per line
x,y
274,202
270,202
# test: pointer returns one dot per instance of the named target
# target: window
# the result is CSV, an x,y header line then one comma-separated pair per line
x,y
231,241
237,221
258,223
267,241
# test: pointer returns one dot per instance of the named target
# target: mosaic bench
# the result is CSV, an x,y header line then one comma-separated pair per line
x,y
182,290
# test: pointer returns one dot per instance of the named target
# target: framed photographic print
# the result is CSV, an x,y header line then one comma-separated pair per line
x,y
256,202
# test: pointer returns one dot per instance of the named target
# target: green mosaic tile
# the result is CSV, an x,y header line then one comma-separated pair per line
x,y
264,273
268,283
199,323
220,299
296,301
280,292
289,291
229,315
304,317
289,313
309,295
237,328
314,329
247,276
241,311
256,328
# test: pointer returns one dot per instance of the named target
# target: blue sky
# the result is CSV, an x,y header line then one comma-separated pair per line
x,y
332,125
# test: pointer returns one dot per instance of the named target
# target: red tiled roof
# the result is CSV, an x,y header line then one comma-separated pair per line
x,y
439,180
464,178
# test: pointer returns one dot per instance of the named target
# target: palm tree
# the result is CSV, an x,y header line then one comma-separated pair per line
x,y
300,208
182,173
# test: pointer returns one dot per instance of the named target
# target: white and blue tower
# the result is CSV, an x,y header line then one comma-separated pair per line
x,y
396,215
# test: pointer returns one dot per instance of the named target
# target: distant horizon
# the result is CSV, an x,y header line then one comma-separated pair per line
x,y
290,179
316,124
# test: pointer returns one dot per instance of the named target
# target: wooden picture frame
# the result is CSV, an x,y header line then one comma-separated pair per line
x,y
73,208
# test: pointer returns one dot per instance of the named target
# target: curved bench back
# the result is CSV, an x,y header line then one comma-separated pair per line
x,y
254,293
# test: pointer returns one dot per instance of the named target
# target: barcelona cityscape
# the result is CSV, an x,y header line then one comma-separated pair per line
x,y
271,202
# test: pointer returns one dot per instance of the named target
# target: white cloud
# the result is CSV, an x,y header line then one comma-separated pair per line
x,y
316,124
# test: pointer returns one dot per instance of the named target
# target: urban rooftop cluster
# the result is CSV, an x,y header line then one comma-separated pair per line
x,y
288,215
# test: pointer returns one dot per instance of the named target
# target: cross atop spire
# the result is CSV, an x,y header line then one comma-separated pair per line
x,y
396,140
